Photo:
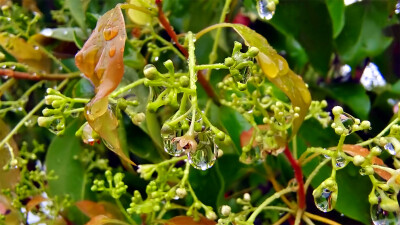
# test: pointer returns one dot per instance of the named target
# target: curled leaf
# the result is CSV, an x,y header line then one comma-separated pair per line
x,y
276,69
101,61
35,201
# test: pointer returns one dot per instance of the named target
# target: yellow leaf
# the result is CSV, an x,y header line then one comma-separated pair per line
x,y
101,61
137,16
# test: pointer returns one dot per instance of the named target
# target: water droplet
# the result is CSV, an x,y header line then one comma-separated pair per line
x,y
3,66
251,156
390,148
111,52
8,19
340,162
397,10
110,33
204,156
266,9
31,121
89,136
47,32
347,121
57,126
36,47
325,201
13,67
156,59
65,32
171,143
383,217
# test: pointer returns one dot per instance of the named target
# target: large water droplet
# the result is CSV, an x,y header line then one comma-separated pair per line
x,y
383,217
347,121
111,52
88,135
390,148
325,201
110,33
266,9
204,156
251,156
57,126
171,143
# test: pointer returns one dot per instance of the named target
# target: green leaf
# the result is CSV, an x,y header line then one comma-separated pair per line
x,y
310,24
60,158
354,96
336,11
77,9
362,35
278,72
83,89
234,123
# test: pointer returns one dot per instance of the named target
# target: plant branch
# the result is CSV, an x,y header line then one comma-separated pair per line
x,y
35,76
299,177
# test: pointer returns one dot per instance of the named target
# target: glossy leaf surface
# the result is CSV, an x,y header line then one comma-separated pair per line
x,y
101,60
278,72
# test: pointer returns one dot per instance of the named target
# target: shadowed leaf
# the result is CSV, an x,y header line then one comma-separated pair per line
x,y
187,220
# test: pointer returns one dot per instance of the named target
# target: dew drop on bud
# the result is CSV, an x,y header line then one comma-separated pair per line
x,y
88,135
266,9
340,162
31,121
325,195
347,121
390,148
251,156
204,156
383,217
56,126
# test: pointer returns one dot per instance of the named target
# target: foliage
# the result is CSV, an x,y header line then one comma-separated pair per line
x,y
282,117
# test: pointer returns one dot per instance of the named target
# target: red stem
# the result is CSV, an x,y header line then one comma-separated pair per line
x,y
170,30
299,177
32,76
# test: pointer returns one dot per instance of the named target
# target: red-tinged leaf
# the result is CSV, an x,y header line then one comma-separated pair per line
x,y
92,209
187,220
278,72
12,216
25,52
354,150
102,220
35,201
8,178
101,61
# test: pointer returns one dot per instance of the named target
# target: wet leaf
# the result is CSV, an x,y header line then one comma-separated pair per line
x,y
63,34
25,52
278,72
101,61
187,220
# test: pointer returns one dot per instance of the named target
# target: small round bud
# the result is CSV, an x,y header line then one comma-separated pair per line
x,y
220,135
337,110
246,197
229,62
253,51
169,65
225,210
211,215
324,103
138,118
358,160
365,125
339,130
150,72
241,87
376,151
184,81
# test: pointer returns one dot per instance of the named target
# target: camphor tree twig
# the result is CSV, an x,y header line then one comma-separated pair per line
x,y
36,76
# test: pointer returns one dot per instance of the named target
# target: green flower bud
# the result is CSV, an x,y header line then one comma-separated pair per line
x,y
253,52
150,72
184,81
229,62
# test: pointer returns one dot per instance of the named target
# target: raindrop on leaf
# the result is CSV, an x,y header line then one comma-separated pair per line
x,y
110,33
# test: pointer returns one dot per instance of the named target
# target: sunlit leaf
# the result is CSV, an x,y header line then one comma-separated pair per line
x,y
101,61
278,72
63,34
137,16
187,220
25,52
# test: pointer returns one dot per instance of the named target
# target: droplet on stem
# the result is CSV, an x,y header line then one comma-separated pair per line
x,y
266,9
390,148
383,217
325,195
171,144
204,156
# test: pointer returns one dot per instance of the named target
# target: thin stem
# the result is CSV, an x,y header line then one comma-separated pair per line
x,y
122,209
127,88
294,146
299,177
268,201
367,142
315,171
35,76
282,219
320,218
212,66
29,115
5,86
213,55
